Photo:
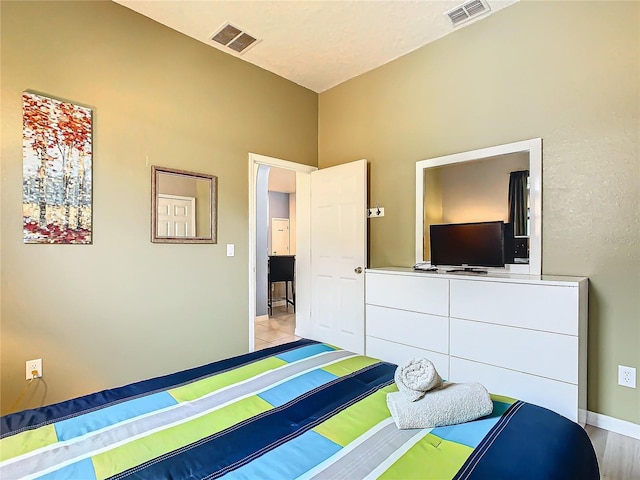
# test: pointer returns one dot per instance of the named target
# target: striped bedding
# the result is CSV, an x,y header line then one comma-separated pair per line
x,y
301,410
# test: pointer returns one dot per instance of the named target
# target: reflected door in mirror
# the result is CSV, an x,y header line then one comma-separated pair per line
x,y
280,239
183,206
176,216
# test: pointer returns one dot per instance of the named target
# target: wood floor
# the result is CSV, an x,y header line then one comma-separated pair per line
x,y
618,455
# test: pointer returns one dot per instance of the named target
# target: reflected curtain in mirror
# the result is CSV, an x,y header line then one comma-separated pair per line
x,y
472,206
518,202
183,206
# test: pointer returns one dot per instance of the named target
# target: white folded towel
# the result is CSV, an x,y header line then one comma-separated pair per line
x,y
450,404
417,377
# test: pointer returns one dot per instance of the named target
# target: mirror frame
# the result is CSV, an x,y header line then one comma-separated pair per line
x,y
213,206
534,148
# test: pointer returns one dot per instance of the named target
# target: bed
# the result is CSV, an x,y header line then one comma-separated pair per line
x,y
300,410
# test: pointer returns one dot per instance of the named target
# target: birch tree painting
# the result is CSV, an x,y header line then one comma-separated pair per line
x,y
57,182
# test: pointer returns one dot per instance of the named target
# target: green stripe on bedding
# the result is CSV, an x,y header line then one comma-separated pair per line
x,y
350,365
27,441
349,424
81,447
503,399
167,440
440,458
151,446
205,386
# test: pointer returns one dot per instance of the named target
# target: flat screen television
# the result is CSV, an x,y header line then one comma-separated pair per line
x,y
480,244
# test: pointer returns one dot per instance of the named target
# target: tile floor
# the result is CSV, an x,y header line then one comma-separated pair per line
x,y
277,329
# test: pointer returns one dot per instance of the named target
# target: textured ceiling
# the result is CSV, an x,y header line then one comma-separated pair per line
x,y
316,44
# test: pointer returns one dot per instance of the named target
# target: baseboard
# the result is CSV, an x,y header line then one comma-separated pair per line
x,y
582,417
302,332
612,424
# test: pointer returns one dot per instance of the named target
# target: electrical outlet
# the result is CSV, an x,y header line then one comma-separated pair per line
x,y
34,366
626,376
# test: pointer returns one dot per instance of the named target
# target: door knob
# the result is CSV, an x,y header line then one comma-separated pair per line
x,y
358,270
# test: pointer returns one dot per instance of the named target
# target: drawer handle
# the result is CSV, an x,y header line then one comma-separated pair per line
x,y
358,270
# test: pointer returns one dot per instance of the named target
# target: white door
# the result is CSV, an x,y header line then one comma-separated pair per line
x,y
176,216
280,236
338,254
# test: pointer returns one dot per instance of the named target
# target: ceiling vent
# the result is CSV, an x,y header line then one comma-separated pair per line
x,y
234,38
467,11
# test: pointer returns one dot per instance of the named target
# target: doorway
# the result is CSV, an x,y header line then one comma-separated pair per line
x,y
270,180
278,325
335,311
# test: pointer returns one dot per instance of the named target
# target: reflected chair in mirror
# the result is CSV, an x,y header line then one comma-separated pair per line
x,y
282,269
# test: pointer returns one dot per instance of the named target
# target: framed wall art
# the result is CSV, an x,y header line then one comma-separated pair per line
x,y
57,171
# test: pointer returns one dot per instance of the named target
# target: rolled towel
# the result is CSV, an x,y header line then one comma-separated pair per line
x,y
417,377
451,404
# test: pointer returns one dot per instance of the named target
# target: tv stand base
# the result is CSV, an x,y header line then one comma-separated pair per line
x,y
466,270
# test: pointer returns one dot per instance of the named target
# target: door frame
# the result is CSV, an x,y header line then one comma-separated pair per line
x,y
302,229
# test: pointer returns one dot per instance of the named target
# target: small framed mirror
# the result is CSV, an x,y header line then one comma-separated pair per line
x,y
183,206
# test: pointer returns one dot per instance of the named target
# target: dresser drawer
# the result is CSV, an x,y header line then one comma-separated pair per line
x,y
399,353
539,353
539,307
557,396
408,292
421,330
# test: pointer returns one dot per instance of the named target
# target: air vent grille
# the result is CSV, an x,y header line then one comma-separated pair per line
x,y
474,7
228,33
234,38
241,42
466,11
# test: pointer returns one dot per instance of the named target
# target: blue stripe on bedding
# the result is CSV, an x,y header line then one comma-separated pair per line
x,y
287,391
29,419
472,433
235,447
82,469
297,456
519,445
304,352
90,422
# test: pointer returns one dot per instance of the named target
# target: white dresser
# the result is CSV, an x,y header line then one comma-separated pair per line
x,y
519,335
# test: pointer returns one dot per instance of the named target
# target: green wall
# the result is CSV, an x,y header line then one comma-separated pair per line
x,y
124,309
564,71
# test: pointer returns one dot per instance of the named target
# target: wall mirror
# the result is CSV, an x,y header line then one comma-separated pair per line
x,y
183,206
474,187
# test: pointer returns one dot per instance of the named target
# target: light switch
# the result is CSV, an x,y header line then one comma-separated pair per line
x,y
231,249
